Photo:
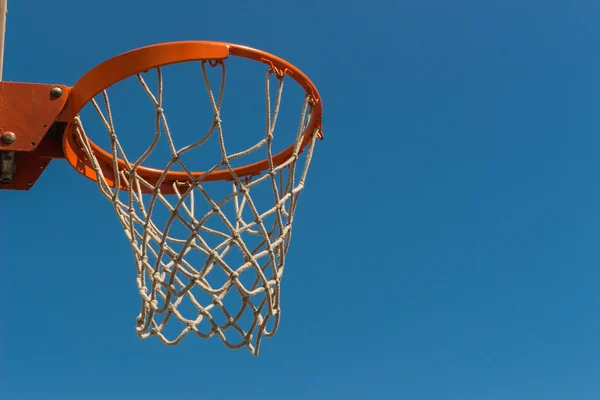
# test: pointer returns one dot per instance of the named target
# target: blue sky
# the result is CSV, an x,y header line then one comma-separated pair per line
x,y
445,247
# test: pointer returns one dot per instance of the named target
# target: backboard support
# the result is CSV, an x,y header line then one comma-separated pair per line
x,y
3,16
31,132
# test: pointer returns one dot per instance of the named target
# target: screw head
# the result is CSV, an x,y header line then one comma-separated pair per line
x,y
8,138
56,92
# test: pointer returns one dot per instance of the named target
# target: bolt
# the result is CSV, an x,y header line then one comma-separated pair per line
x,y
8,138
56,92
6,178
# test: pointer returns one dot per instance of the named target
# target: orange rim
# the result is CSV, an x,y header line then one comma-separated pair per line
x,y
140,60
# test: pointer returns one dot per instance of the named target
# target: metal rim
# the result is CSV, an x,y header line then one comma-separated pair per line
x,y
142,59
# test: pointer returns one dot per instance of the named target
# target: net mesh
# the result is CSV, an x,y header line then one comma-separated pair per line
x,y
222,276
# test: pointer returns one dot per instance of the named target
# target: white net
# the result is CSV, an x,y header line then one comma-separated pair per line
x,y
213,267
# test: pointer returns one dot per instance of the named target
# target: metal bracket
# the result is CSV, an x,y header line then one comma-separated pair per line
x,y
7,166
29,134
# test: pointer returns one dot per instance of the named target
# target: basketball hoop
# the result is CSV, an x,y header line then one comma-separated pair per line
x,y
256,230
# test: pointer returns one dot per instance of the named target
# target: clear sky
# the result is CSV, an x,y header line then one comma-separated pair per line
x,y
446,245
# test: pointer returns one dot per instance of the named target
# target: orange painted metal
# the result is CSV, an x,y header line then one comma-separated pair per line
x,y
31,164
143,59
29,111
134,62
29,169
